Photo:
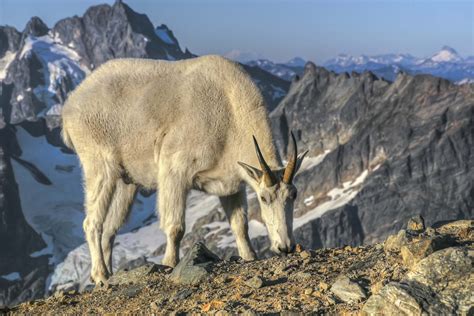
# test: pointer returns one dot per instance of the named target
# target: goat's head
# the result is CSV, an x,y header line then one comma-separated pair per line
x,y
276,194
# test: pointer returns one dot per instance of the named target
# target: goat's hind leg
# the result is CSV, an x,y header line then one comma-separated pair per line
x,y
100,176
119,210
172,204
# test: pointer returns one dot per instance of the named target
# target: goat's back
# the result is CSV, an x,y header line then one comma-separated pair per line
x,y
127,106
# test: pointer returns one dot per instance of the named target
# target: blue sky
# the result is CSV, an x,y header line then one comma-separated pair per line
x,y
282,29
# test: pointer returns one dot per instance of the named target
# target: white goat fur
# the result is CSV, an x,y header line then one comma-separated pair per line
x,y
173,125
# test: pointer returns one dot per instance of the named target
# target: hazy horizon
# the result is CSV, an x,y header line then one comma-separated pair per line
x,y
281,30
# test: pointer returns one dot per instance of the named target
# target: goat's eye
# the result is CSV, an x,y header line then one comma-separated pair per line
x,y
265,198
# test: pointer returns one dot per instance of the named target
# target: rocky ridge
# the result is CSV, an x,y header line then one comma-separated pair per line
x,y
370,280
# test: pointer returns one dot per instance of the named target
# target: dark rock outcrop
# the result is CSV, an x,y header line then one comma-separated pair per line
x,y
412,141
9,40
195,266
18,239
106,32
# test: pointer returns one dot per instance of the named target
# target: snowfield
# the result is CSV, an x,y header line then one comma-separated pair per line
x,y
58,62
5,61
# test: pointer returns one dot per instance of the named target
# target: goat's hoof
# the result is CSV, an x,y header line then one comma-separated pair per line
x,y
99,279
249,257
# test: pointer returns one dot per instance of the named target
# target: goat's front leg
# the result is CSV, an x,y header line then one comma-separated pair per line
x,y
171,205
233,206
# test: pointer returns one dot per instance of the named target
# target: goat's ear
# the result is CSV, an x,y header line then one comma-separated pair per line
x,y
299,160
253,172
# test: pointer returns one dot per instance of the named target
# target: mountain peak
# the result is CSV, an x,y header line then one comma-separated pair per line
x,y
449,48
36,27
446,54
243,56
296,62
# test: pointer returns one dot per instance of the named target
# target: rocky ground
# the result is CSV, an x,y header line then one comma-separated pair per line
x,y
419,270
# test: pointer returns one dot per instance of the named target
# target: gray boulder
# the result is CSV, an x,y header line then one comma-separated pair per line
x,y
347,290
440,284
195,266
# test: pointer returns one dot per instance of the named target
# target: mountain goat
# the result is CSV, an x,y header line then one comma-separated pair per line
x,y
176,126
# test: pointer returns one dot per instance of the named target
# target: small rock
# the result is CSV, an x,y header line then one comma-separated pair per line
x,y
323,286
132,291
301,276
195,266
376,287
305,254
330,301
299,248
59,294
72,292
235,259
154,306
317,294
394,242
419,249
183,294
256,282
416,225
135,275
158,304
456,225
347,290
308,291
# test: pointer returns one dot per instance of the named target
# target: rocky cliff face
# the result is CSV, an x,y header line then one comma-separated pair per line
x,y
23,269
395,149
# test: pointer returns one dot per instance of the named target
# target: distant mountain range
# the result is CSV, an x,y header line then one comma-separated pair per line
x,y
446,63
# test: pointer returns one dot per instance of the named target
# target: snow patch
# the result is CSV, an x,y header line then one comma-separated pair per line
x,y
48,250
446,54
465,81
19,97
54,211
58,62
14,276
163,33
309,200
311,162
339,197
5,61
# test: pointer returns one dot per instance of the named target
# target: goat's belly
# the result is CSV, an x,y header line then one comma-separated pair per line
x,y
219,187
141,172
